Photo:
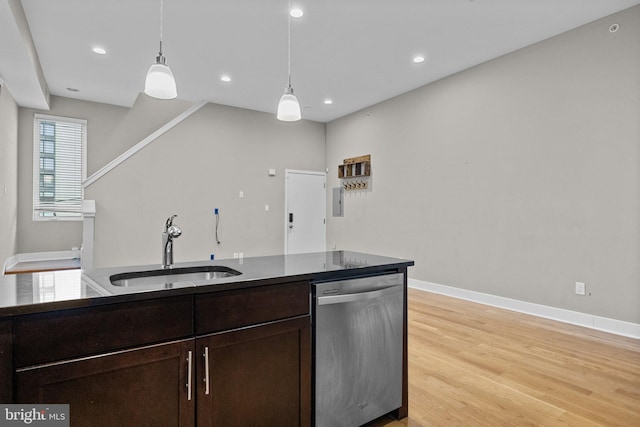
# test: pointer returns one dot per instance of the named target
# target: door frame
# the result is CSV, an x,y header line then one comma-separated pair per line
x,y
286,203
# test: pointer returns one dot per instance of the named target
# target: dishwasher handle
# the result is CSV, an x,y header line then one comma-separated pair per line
x,y
360,296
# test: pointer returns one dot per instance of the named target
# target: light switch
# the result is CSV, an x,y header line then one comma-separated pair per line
x,y
241,194
266,208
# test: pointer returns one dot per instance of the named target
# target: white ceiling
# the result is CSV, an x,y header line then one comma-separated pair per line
x,y
356,52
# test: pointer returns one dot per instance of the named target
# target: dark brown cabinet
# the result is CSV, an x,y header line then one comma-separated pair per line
x,y
6,360
223,311
228,358
70,334
254,357
258,376
145,387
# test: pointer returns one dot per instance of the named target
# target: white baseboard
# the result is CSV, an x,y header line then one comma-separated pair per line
x,y
618,327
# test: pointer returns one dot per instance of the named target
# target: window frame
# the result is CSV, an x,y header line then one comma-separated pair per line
x,y
36,183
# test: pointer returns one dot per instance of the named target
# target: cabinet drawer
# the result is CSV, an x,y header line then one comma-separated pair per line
x,y
225,310
66,334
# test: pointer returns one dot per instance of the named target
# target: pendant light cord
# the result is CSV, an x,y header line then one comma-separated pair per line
x,y
161,23
289,42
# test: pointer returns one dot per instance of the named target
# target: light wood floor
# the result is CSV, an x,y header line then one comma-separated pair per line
x,y
475,365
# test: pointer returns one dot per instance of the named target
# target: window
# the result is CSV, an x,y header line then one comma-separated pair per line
x,y
59,167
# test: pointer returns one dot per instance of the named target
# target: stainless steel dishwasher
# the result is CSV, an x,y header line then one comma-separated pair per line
x,y
358,329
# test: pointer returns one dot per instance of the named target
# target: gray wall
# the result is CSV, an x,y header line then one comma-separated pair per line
x,y
102,119
145,116
203,164
197,166
516,178
8,174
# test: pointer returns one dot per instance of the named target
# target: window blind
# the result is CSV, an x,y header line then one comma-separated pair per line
x,y
59,167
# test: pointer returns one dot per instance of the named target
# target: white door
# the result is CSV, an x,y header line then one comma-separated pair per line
x,y
305,211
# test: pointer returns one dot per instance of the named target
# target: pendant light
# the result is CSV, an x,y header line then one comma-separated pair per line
x,y
289,108
160,82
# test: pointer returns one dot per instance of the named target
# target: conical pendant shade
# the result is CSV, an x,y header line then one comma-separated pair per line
x,y
160,82
289,107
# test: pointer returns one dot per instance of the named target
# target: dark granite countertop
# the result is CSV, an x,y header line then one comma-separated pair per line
x,y
48,291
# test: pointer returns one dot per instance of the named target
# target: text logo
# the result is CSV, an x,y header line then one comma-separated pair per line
x,y
34,415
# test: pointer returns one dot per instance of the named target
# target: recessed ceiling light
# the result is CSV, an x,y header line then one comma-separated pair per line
x,y
328,102
225,79
73,89
99,50
296,13
418,59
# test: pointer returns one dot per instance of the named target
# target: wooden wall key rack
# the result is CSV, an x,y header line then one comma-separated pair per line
x,y
355,171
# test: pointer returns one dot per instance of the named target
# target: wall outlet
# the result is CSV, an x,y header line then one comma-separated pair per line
x,y
581,288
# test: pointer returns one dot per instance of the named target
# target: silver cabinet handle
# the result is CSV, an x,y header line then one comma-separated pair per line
x,y
189,372
206,370
337,299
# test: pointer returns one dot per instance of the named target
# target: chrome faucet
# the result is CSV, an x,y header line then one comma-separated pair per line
x,y
169,233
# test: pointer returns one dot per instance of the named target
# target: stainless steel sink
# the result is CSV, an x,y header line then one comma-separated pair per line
x,y
173,276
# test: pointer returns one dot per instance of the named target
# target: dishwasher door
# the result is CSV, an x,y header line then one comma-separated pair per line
x,y
358,330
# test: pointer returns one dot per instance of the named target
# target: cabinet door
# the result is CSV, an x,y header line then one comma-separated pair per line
x,y
257,376
6,361
142,387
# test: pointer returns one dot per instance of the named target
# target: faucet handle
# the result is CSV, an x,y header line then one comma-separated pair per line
x,y
174,231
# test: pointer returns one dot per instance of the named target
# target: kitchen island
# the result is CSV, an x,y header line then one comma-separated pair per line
x,y
220,351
